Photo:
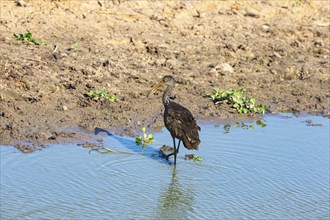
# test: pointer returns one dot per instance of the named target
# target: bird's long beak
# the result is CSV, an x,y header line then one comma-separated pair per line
x,y
155,88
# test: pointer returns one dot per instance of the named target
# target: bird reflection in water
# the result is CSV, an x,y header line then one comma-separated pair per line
x,y
176,201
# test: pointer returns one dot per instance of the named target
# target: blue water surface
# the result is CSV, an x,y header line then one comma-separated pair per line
x,y
279,171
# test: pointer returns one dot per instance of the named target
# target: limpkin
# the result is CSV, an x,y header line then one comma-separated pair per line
x,y
178,120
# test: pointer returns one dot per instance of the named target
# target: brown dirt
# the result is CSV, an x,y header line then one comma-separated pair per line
x,y
278,50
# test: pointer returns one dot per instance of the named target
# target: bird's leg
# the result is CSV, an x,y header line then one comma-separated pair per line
x,y
177,151
168,155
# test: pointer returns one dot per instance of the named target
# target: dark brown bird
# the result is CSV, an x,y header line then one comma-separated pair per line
x,y
178,120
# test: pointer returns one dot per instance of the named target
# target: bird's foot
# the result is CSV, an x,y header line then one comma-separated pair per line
x,y
171,154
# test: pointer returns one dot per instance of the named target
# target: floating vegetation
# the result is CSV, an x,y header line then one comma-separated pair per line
x,y
166,148
102,94
261,123
100,148
145,138
28,38
193,157
243,125
237,100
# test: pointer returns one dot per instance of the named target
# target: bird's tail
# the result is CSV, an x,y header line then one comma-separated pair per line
x,y
191,140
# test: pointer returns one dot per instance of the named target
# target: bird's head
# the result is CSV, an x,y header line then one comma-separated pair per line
x,y
166,80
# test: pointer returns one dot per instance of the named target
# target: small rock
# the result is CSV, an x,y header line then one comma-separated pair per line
x,y
318,43
48,135
25,148
221,69
225,68
251,13
266,27
64,108
277,55
20,3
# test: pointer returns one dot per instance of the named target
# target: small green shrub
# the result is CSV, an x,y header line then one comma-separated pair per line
x,y
237,100
102,94
28,38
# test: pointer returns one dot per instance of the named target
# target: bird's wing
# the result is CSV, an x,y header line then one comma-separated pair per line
x,y
183,125
181,114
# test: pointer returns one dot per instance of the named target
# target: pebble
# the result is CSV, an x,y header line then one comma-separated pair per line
x,y
251,13
225,67
20,3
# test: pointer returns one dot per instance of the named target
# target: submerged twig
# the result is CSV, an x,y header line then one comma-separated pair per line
x,y
99,148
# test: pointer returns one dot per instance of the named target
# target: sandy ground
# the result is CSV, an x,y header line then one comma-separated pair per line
x,y
278,50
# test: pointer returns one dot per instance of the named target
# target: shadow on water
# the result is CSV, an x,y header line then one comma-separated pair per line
x,y
148,151
175,202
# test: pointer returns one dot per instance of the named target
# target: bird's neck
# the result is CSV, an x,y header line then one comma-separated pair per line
x,y
167,94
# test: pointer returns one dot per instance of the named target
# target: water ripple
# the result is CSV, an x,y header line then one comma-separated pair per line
x,y
277,172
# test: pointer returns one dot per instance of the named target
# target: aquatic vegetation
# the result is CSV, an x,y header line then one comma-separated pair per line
x,y
166,148
28,38
99,148
145,138
193,157
102,94
261,123
243,125
237,100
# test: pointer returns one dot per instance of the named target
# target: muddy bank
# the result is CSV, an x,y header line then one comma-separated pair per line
x,y
279,51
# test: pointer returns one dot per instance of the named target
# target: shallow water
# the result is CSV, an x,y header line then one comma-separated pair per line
x,y
280,171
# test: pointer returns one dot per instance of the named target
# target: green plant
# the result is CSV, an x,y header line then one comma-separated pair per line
x,y
27,37
198,158
101,94
193,157
145,139
215,95
261,123
237,100
74,45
